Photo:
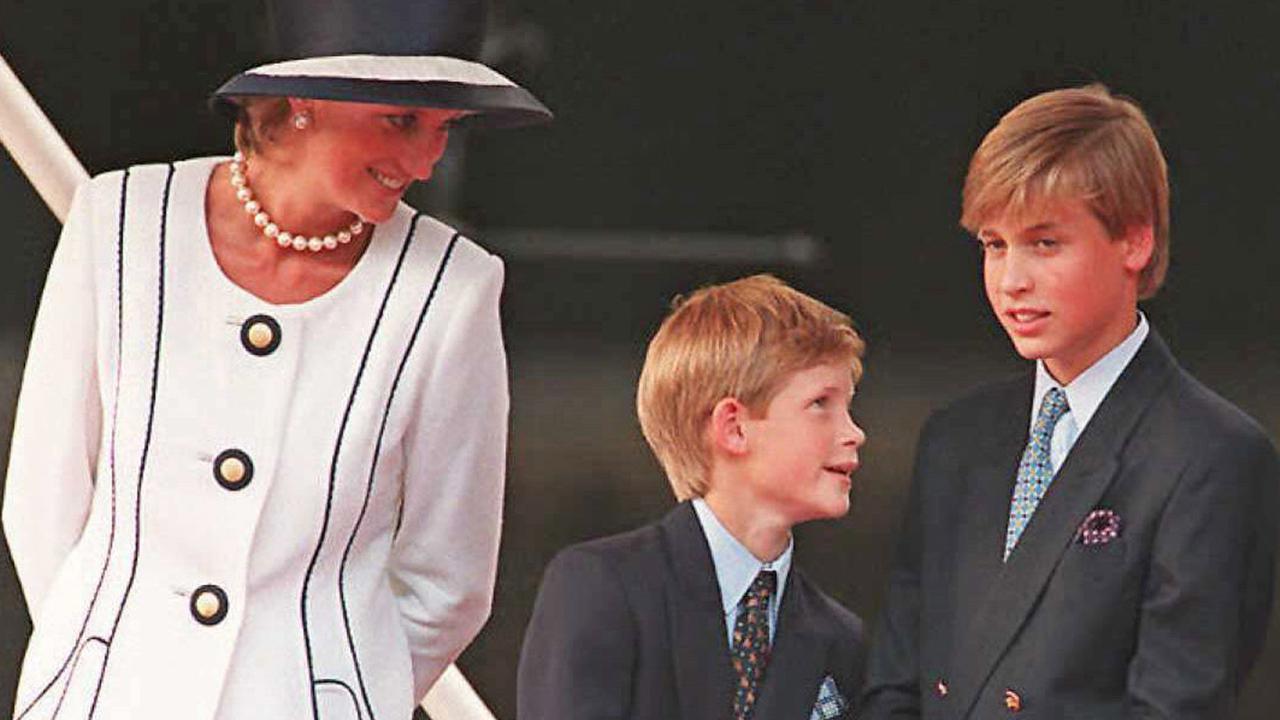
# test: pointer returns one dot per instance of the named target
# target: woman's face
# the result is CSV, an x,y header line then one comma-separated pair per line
x,y
361,157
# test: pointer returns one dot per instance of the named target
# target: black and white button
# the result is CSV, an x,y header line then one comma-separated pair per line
x,y
260,335
233,469
209,604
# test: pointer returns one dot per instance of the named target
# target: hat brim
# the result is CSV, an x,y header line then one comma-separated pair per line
x,y
430,81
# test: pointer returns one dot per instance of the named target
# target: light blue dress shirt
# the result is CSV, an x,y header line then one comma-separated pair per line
x,y
736,569
1086,392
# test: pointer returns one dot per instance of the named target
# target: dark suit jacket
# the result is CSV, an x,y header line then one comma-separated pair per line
x,y
1163,622
631,626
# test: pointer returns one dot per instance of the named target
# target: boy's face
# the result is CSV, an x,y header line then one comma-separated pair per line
x,y
1063,289
805,446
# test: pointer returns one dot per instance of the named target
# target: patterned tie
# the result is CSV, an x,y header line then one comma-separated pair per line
x,y
751,642
1035,472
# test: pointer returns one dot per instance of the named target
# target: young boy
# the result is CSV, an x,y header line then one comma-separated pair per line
x,y
744,397
1096,538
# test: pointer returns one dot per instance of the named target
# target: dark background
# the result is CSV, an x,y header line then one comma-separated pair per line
x,y
849,123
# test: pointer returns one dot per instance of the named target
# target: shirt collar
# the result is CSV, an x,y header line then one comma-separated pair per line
x,y
1087,391
736,568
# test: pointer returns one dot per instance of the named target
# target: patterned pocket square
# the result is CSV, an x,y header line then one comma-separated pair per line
x,y
831,704
1099,528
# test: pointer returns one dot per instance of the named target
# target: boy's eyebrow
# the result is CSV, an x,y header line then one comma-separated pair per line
x,y
1038,227
837,390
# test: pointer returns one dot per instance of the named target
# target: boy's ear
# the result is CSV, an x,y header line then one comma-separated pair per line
x,y
727,432
1139,244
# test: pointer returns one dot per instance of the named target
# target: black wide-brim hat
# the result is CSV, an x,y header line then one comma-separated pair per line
x,y
415,53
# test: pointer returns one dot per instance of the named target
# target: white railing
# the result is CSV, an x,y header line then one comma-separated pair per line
x,y
47,161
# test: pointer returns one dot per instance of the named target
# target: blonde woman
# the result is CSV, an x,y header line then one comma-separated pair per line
x,y
258,462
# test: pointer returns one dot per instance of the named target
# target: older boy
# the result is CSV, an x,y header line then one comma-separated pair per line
x,y
744,397
1096,538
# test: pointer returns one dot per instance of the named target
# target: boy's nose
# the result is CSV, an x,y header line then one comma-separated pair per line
x,y
1015,275
854,434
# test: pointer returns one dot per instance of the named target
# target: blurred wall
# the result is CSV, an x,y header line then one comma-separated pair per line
x,y
849,122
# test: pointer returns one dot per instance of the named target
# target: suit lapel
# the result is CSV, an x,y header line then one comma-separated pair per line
x,y
700,646
988,489
799,657
1086,474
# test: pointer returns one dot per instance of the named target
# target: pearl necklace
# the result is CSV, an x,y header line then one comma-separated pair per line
x,y
283,238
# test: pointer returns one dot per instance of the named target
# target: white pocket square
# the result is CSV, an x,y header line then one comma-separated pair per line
x,y
831,704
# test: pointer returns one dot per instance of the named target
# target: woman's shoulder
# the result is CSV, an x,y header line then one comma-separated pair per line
x,y
162,166
462,253
119,181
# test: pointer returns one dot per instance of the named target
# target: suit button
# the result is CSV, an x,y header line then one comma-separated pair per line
x,y
1012,701
232,469
260,335
208,604
942,688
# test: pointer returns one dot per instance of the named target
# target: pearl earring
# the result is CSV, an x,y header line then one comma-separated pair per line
x,y
302,120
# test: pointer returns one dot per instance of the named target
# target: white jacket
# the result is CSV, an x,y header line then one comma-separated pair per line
x,y
342,557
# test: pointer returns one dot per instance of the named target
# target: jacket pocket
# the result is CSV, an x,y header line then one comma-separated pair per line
x,y
84,679
336,701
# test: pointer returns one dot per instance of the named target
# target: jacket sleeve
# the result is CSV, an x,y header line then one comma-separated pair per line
x,y
578,657
445,555
54,453
1207,595
892,686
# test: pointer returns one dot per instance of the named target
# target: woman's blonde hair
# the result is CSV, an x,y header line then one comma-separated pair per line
x,y
257,120
740,340
1083,143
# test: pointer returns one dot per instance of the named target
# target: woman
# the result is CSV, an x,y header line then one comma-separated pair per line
x,y
257,465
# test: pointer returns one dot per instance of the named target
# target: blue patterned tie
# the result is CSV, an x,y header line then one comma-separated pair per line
x,y
750,651
1035,472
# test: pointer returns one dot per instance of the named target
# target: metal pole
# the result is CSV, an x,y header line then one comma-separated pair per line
x,y
36,146
453,698
55,172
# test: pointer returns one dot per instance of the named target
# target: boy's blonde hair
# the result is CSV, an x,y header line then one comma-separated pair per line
x,y
737,340
1077,142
